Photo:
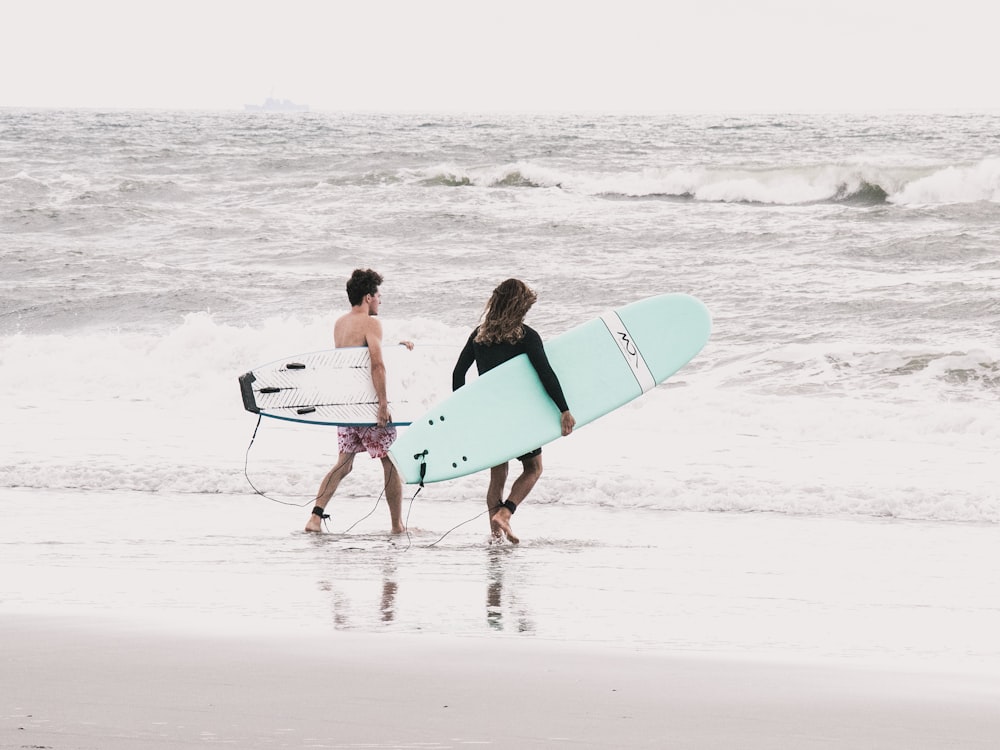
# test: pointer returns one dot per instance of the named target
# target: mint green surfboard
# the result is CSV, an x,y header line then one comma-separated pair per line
x,y
602,365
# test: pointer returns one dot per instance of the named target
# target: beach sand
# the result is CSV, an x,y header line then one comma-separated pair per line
x,y
172,621
76,685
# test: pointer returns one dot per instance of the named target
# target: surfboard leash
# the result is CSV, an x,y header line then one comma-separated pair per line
x,y
246,473
409,509
406,522
367,515
324,516
457,526
422,457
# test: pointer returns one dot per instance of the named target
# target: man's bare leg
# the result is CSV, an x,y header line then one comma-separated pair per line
x,y
331,481
393,495
531,471
494,494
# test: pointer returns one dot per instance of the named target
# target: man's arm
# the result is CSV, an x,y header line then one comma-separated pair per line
x,y
373,339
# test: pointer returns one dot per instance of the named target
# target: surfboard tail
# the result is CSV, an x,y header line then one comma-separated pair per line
x,y
412,471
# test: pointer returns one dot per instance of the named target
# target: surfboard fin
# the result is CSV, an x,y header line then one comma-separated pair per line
x,y
246,388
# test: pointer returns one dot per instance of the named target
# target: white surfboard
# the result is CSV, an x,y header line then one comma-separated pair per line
x,y
601,365
331,387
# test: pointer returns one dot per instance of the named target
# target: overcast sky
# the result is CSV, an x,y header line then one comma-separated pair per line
x,y
516,55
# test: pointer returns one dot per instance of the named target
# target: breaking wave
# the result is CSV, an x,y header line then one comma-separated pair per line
x,y
849,184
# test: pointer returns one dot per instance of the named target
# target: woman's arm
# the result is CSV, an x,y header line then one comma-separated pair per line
x,y
465,360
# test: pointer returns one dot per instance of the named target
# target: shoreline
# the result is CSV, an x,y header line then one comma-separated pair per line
x,y
75,684
887,594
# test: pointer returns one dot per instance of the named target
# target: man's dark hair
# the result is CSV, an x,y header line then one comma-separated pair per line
x,y
362,282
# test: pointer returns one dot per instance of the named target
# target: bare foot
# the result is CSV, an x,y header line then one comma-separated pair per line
x,y
315,523
501,520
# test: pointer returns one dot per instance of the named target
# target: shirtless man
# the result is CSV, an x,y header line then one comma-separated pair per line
x,y
361,327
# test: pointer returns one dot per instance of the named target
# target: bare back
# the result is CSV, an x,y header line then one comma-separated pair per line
x,y
360,327
357,328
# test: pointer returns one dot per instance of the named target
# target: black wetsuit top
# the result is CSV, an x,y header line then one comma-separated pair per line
x,y
488,356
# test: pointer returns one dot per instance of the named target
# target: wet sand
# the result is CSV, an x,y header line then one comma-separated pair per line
x,y
73,684
217,621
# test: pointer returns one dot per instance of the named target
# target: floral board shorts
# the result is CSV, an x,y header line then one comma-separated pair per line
x,y
375,440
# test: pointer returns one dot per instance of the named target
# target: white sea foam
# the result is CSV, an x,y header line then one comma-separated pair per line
x,y
792,185
954,184
116,411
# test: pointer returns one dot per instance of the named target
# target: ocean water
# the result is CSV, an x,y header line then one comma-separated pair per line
x,y
851,264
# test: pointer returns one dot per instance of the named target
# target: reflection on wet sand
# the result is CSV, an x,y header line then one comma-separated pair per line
x,y
339,606
339,588
389,589
496,562
362,579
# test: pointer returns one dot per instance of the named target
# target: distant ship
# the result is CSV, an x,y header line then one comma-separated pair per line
x,y
277,105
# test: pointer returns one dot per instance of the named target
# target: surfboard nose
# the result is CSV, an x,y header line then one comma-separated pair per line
x,y
681,321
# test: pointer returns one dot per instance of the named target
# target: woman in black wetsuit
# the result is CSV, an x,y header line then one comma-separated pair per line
x,y
501,336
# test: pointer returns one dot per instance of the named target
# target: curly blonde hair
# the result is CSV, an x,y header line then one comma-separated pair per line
x,y
503,317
